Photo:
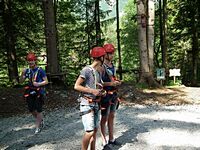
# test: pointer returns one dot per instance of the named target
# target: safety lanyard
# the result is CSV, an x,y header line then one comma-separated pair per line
x,y
35,75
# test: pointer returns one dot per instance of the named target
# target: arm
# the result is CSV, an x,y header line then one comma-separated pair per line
x,y
44,82
23,76
44,78
78,86
112,83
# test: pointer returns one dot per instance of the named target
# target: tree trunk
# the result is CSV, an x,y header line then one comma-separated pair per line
x,y
164,28
163,35
118,41
146,74
161,31
165,56
50,33
97,19
195,51
10,41
151,14
87,22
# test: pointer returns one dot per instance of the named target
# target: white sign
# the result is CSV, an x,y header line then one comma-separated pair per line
x,y
174,72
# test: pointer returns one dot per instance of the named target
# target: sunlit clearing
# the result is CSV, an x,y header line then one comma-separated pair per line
x,y
172,137
177,116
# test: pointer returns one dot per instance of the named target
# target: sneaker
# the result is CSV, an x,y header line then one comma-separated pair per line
x,y
114,143
37,130
106,147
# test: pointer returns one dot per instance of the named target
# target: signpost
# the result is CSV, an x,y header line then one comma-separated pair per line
x,y
173,73
160,74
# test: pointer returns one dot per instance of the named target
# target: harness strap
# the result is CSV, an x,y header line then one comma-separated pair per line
x,y
85,112
90,100
111,92
36,74
28,92
110,102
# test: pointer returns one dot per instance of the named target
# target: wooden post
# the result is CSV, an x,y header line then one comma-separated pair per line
x,y
174,79
118,40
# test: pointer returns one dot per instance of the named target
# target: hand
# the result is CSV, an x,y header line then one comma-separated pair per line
x,y
116,83
24,71
103,93
96,92
36,84
99,86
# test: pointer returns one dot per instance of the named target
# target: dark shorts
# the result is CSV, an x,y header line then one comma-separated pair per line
x,y
109,104
35,103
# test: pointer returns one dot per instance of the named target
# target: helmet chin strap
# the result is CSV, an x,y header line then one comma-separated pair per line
x,y
107,58
102,61
99,58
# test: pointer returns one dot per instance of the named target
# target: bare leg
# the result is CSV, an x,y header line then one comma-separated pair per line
x,y
111,125
38,119
86,140
103,129
93,140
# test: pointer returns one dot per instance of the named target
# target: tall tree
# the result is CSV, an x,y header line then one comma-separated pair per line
x,y
150,32
146,72
97,23
50,33
163,31
184,31
10,40
118,40
195,45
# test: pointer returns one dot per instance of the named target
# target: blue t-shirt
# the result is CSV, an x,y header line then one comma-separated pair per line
x,y
35,75
108,73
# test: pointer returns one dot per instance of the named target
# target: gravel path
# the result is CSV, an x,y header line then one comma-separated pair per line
x,y
137,128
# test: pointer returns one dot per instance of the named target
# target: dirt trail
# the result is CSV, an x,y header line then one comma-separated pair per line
x,y
138,127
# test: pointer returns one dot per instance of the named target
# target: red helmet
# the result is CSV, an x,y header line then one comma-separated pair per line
x,y
31,57
97,52
109,48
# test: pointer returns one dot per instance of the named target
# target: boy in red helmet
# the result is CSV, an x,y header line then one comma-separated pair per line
x,y
89,84
34,91
109,102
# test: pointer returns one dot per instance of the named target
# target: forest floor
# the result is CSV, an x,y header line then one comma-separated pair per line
x,y
146,119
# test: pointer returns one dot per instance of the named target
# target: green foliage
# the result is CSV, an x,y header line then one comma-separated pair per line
x,y
129,37
142,86
76,35
72,38
177,82
130,77
128,40
184,31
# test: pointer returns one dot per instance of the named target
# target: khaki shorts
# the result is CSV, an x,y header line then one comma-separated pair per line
x,y
90,120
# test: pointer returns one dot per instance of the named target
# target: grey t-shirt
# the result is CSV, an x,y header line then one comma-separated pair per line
x,y
91,79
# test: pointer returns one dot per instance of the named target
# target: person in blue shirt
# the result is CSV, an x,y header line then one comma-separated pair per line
x,y
110,101
34,91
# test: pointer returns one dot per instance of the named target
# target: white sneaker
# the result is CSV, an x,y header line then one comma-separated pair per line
x,y
37,130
